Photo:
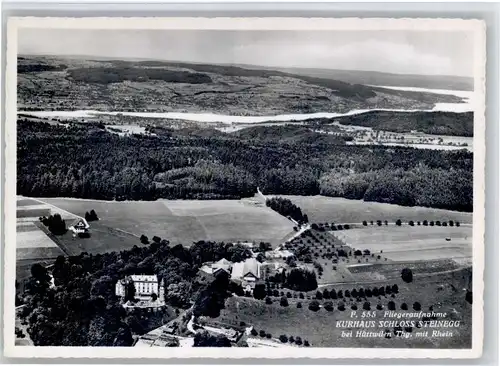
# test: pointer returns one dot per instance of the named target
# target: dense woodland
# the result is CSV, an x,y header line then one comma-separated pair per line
x,y
85,161
107,75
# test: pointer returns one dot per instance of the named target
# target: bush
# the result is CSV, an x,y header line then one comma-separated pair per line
x,y
284,301
306,343
298,341
328,306
289,295
314,305
262,333
291,339
269,336
269,301
283,338
407,275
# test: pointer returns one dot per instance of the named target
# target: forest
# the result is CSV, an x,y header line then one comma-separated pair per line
x,y
107,75
86,161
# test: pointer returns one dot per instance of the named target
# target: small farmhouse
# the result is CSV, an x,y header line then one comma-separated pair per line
x,y
80,226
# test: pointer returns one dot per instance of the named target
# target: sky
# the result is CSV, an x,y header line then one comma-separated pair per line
x,y
401,52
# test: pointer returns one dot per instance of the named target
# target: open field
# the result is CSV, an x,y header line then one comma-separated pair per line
x,y
181,221
444,292
33,245
411,243
22,202
341,210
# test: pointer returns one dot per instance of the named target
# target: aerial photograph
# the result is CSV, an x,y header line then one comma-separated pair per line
x,y
244,188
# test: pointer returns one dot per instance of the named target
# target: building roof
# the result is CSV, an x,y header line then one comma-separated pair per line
x,y
144,278
224,261
222,264
251,265
80,222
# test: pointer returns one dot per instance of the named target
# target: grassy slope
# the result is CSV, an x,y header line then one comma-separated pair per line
x,y
178,221
340,210
320,327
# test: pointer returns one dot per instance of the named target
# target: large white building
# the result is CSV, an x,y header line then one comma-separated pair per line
x,y
145,286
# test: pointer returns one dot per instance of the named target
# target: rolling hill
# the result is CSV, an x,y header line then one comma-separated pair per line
x,y
56,83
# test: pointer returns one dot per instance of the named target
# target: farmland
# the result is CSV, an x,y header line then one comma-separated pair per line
x,y
341,210
411,243
444,292
32,242
181,222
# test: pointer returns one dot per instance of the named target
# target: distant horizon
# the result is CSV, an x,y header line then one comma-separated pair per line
x,y
242,65
402,52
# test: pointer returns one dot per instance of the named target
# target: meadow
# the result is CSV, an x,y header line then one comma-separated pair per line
x,y
340,210
444,292
411,243
180,221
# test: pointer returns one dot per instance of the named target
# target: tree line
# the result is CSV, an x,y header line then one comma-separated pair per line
x,y
85,161
287,208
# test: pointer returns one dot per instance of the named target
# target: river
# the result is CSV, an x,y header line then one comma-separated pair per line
x,y
231,123
466,106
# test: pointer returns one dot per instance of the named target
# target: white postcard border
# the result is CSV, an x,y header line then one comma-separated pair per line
x,y
475,26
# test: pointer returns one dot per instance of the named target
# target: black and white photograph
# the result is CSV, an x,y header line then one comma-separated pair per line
x,y
280,187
